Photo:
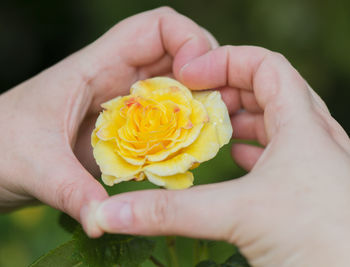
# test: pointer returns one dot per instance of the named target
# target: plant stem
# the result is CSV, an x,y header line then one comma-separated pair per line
x,y
200,251
205,251
196,252
156,262
171,240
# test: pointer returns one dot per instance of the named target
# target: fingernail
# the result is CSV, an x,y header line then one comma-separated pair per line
x,y
114,216
87,215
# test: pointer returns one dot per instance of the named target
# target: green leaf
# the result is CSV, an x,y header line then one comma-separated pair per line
x,y
68,223
113,250
236,260
62,256
108,250
207,263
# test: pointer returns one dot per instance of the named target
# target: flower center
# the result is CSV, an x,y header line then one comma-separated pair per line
x,y
150,126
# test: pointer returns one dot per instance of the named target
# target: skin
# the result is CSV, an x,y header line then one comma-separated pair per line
x,y
291,209
49,118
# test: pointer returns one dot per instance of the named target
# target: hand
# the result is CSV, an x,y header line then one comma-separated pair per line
x,y
44,118
292,208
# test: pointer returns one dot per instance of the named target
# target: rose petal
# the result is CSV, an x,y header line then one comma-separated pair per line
x,y
108,179
146,87
111,180
178,164
94,138
177,181
199,113
101,119
133,161
112,103
218,114
110,120
192,135
176,96
111,163
206,146
107,132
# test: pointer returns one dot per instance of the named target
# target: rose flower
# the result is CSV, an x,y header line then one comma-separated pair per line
x,y
159,132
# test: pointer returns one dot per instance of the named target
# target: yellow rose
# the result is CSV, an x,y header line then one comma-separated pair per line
x,y
159,132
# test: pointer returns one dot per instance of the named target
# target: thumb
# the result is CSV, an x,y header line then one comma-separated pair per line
x,y
207,211
71,189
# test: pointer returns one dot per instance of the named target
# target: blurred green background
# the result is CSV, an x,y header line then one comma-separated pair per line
x,y
313,35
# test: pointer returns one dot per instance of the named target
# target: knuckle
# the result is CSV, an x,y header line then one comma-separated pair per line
x,y
227,48
277,60
261,50
64,195
166,9
278,57
161,211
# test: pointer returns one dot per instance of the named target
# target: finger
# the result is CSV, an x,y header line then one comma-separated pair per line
x,y
159,68
231,98
249,126
122,55
71,189
191,212
183,39
236,99
277,86
249,102
168,32
83,148
246,155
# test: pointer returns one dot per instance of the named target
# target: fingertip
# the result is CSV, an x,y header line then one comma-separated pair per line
x,y
198,47
249,126
205,71
194,47
231,98
114,216
88,220
246,155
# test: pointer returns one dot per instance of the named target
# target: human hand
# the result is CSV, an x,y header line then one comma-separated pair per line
x,y
47,116
292,208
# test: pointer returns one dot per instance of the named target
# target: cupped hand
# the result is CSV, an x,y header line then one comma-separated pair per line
x,y
292,208
48,119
